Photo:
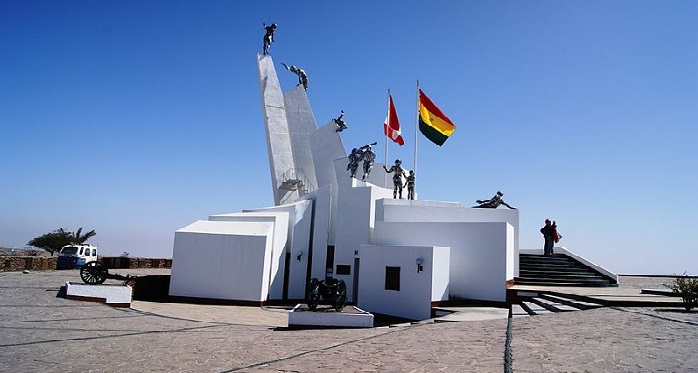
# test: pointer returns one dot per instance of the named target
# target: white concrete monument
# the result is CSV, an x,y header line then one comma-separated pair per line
x,y
397,257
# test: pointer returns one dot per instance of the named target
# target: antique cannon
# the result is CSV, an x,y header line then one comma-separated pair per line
x,y
94,273
332,291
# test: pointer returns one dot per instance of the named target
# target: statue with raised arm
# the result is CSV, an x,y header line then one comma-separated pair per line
x,y
268,36
340,123
410,185
302,77
368,156
354,159
397,177
493,202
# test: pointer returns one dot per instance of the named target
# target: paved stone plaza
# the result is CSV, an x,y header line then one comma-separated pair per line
x,y
41,332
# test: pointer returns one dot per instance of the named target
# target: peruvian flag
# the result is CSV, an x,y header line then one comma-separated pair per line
x,y
391,127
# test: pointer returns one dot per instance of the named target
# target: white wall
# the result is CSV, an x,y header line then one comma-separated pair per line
x,y
355,216
479,252
441,211
275,124
223,260
322,199
417,289
299,237
326,146
281,238
301,124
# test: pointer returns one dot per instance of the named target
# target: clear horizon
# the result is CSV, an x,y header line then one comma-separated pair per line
x,y
136,119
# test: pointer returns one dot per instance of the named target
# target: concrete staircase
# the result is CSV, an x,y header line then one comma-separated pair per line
x,y
557,270
542,304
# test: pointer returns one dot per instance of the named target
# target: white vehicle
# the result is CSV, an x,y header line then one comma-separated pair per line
x,y
76,255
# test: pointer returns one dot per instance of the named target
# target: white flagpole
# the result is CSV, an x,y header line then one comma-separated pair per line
x,y
387,120
416,124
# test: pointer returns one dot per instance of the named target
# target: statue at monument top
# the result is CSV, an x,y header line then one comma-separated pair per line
x,y
493,202
340,123
268,36
302,77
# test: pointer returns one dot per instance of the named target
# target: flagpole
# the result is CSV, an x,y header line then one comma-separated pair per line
x,y
387,121
416,124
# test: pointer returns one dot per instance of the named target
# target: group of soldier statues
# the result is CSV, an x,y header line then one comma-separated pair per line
x,y
398,174
365,154
368,156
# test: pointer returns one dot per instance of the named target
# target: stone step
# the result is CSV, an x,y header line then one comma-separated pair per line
x,y
546,259
551,265
579,304
573,273
518,311
553,306
553,282
562,279
534,309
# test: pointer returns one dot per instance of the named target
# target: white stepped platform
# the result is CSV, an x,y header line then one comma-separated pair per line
x,y
326,316
113,295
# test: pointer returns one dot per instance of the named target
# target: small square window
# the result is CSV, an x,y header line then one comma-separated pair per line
x,y
392,278
343,269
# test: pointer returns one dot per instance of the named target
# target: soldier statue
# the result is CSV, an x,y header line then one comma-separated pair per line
x,y
397,178
268,36
340,123
493,202
368,156
354,159
302,77
410,185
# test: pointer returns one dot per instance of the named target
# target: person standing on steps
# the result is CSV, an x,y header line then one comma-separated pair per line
x,y
550,235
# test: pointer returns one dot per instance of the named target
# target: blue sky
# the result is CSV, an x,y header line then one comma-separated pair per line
x,y
137,118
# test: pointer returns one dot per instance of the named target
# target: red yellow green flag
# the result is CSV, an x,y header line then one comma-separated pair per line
x,y
433,123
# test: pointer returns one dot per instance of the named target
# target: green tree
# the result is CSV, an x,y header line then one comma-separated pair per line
x,y
54,241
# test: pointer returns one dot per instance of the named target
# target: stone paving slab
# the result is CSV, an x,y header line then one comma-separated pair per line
x,y
604,340
42,332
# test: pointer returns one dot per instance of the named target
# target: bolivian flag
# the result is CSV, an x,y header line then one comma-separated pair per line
x,y
433,124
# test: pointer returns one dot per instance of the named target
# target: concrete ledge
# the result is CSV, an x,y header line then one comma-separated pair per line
x,y
113,295
350,317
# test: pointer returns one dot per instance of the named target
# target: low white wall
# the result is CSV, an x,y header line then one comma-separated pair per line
x,y
119,295
281,238
479,257
442,211
223,260
417,289
299,214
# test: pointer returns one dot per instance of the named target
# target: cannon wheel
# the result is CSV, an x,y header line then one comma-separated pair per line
x,y
93,273
313,296
341,296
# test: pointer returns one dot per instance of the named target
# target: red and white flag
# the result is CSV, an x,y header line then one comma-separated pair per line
x,y
391,127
